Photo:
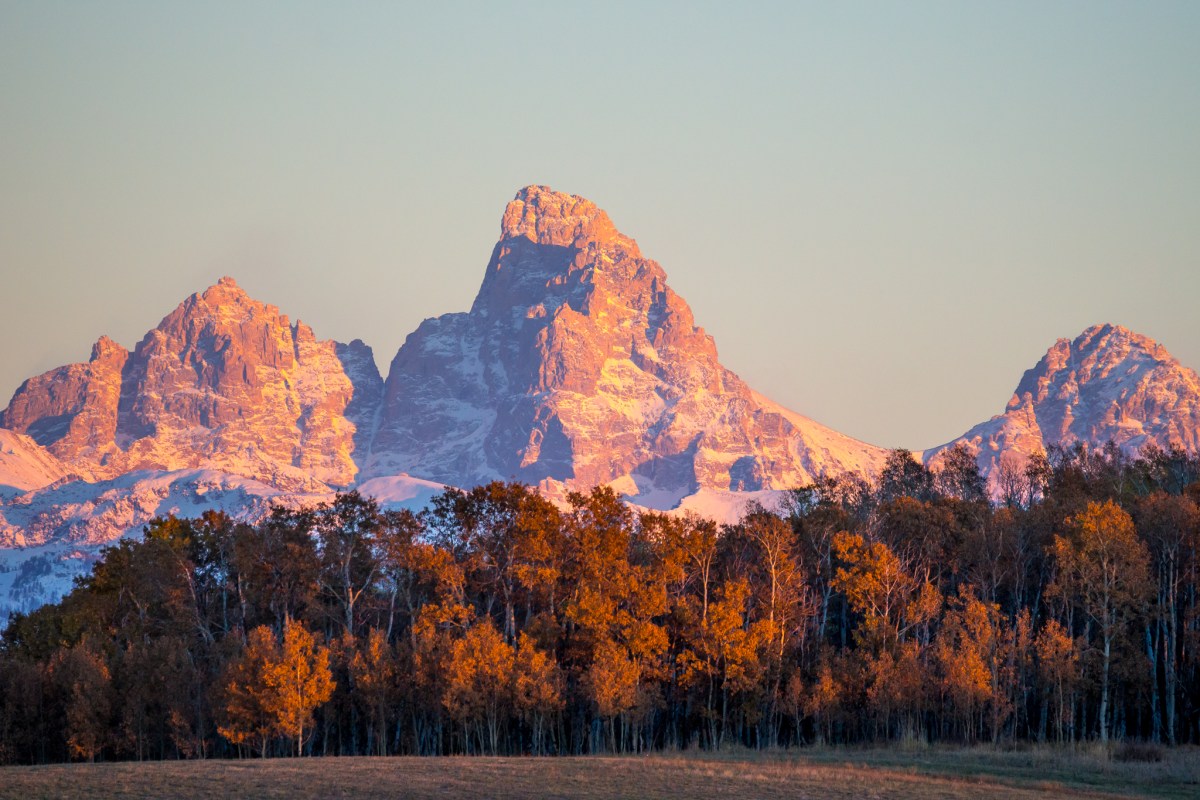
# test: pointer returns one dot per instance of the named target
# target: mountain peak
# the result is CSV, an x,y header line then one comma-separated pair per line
x,y
544,216
1101,351
223,381
552,247
1108,383
1109,336
223,309
225,290
578,364
1102,333
105,349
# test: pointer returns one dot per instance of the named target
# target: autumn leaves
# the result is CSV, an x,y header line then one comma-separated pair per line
x,y
497,622
272,688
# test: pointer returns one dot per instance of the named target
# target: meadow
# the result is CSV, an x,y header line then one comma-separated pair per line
x,y
926,773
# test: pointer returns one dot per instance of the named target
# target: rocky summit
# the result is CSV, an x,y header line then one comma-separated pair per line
x,y
578,365
1108,384
224,382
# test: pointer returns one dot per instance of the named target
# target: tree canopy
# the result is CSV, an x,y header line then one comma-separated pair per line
x,y
498,622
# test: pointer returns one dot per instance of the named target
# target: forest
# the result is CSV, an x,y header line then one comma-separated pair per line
x,y
912,607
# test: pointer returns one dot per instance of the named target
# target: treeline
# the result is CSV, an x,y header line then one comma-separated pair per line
x,y
497,622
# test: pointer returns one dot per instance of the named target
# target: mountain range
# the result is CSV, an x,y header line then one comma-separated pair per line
x,y
576,365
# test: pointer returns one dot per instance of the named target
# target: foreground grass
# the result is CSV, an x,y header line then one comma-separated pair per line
x,y
1083,768
922,774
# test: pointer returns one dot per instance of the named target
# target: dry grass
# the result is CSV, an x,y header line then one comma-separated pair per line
x,y
1086,767
922,774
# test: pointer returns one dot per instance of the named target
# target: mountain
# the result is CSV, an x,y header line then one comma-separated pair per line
x,y
578,365
1108,384
224,382
224,405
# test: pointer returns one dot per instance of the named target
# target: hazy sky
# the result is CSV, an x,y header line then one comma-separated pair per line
x,y
883,212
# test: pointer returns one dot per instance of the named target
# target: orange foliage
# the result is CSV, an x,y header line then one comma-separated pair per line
x,y
1104,570
373,671
273,688
972,654
1058,667
83,678
478,678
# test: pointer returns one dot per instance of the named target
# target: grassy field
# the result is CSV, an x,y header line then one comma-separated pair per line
x,y
923,774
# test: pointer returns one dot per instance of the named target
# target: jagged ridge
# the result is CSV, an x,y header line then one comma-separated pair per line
x,y
576,365
223,382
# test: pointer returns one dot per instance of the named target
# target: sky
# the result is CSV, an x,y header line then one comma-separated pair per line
x,y
883,212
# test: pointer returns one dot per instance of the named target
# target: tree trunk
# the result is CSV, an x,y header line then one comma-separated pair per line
x,y
1104,686
1152,657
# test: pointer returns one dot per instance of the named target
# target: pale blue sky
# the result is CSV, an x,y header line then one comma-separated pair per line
x,y
883,212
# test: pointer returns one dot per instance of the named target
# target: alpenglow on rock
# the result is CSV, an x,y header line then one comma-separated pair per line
x,y
25,465
224,382
578,365
1108,384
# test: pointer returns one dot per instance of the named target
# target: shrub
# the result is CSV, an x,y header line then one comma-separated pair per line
x,y
1143,752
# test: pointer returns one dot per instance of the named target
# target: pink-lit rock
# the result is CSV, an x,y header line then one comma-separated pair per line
x,y
578,364
224,382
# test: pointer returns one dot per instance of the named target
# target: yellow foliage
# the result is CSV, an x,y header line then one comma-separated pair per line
x,y
876,585
1103,565
538,681
478,675
373,674
612,680
273,688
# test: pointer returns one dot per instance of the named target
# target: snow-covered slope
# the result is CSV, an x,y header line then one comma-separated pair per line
x,y
76,512
401,491
719,506
25,465
51,535
1109,383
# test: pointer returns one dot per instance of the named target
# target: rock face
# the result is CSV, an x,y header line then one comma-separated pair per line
x,y
578,365
224,382
1108,384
